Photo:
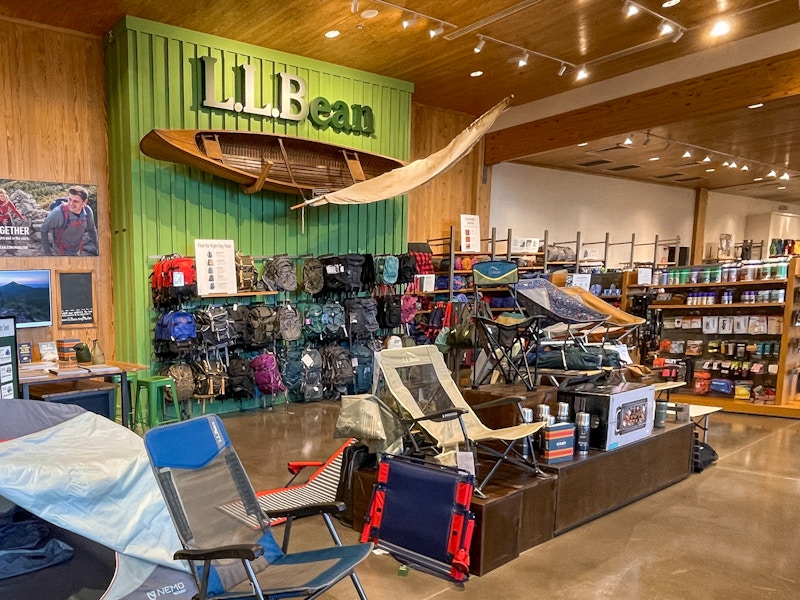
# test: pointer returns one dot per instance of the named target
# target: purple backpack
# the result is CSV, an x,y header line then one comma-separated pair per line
x,y
266,374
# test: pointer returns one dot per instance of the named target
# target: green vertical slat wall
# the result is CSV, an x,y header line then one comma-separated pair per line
x,y
154,81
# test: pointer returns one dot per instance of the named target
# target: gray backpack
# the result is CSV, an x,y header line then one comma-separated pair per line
x,y
279,275
289,324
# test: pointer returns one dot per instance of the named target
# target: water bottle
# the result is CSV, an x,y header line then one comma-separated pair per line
x,y
563,413
582,420
661,414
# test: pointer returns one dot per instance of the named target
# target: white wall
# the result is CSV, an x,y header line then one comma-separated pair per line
x,y
727,214
530,200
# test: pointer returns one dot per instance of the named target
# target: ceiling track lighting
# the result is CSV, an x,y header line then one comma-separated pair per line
x,y
524,56
409,20
438,30
628,141
678,34
666,28
562,69
582,73
630,9
479,46
523,60
354,6
687,154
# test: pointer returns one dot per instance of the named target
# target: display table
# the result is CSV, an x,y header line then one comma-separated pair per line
x,y
107,372
595,484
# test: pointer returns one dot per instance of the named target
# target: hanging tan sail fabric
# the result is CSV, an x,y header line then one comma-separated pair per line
x,y
403,179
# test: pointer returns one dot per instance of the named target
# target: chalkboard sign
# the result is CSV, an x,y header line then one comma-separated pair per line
x,y
77,298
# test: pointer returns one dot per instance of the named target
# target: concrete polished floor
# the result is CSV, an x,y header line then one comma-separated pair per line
x,y
730,532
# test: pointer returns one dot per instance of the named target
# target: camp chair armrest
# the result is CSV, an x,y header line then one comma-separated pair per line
x,y
447,414
499,402
296,466
309,510
240,551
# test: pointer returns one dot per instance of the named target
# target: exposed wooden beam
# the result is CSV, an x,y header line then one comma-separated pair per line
x,y
760,81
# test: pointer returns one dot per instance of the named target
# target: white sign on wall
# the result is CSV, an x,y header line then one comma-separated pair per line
x,y
216,267
470,233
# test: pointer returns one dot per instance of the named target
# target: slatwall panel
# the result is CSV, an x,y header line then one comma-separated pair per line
x,y
154,81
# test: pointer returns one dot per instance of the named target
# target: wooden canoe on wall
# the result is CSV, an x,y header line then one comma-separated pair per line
x,y
269,161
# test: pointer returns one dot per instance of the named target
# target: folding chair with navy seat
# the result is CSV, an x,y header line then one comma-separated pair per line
x,y
419,513
198,472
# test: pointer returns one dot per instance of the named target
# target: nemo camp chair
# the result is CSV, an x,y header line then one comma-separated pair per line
x,y
434,540
505,341
198,470
427,398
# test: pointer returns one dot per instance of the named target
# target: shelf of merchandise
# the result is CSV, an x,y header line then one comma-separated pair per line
x,y
239,295
787,378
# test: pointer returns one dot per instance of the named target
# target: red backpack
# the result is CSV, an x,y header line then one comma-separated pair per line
x,y
173,280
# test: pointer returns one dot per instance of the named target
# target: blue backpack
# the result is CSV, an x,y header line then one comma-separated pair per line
x,y
365,364
386,269
175,333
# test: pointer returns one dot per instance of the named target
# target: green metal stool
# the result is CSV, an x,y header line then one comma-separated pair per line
x,y
155,387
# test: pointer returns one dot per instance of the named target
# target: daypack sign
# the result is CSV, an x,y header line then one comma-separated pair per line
x,y
44,218
216,267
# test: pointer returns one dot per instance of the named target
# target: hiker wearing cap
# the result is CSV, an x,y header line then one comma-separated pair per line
x,y
69,219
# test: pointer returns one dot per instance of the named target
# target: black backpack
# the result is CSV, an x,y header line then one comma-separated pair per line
x,y
214,326
313,278
239,315
337,371
362,316
292,374
368,276
389,311
355,268
210,377
407,269
364,358
312,385
335,274
240,379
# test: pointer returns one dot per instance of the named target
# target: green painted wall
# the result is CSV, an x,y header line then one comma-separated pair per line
x,y
154,80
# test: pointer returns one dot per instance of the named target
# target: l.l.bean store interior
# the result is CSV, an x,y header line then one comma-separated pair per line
x,y
611,167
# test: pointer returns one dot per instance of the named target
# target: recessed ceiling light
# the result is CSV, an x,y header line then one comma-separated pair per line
x,y
476,74
370,13
332,34
720,28
758,179
582,144
654,158
670,3
756,105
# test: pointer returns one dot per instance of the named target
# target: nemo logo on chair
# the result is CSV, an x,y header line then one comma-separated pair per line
x,y
167,590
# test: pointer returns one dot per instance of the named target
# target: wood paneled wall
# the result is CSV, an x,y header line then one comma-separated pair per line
x,y
53,120
464,189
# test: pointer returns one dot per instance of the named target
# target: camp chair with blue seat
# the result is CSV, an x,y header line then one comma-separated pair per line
x,y
198,470
435,540
505,341
425,397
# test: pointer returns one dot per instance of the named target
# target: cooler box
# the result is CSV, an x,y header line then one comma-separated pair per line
x,y
620,413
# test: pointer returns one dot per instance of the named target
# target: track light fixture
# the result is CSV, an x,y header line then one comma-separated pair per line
x,y
409,20
354,6
582,73
630,9
687,154
785,176
666,28
678,35
562,69
479,46
438,30
707,159
628,141
523,60
647,140
772,173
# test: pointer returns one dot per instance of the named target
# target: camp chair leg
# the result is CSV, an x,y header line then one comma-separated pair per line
x,y
338,542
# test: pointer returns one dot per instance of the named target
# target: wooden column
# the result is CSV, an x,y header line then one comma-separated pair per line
x,y
699,225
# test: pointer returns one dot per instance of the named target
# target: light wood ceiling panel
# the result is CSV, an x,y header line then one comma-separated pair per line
x,y
577,31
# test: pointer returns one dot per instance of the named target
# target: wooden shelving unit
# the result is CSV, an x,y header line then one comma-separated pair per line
x,y
786,379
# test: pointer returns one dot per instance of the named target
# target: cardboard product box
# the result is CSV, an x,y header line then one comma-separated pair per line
x,y
620,413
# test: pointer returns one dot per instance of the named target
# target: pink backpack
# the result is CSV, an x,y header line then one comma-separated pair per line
x,y
266,374
408,304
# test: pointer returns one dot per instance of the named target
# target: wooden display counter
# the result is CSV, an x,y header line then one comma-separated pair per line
x,y
600,482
